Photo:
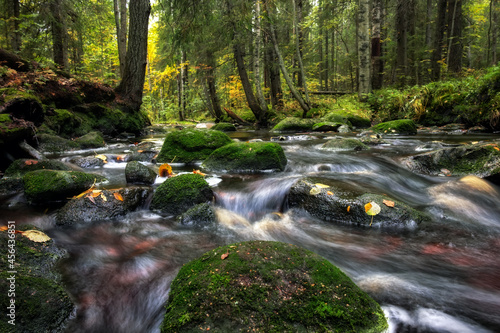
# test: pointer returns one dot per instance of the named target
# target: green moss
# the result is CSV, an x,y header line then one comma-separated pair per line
x,y
290,124
224,127
91,140
20,167
345,144
247,157
8,94
50,185
191,145
55,144
402,126
327,126
177,194
268,287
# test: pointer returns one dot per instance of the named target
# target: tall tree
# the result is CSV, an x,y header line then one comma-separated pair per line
x,y
363,39
120,9
377,60
132,84
59,34
257,54
455,27
439,31
16,34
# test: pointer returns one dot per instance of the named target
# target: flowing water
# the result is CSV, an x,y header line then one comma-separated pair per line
x,y
440,279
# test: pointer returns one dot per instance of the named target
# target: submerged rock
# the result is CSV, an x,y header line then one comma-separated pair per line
x,y
43,186
41,302
103,205
138,173
200,216
482,160
190,145
402,127
177,194
334,205
247,157
268,287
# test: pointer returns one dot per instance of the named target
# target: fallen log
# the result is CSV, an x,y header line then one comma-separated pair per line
x,y
237,118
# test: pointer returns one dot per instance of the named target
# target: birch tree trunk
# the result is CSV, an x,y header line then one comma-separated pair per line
x,y
376,52
363,39
120,9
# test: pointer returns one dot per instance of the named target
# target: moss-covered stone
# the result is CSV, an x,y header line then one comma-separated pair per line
x,y
224,127
42,186
482,160
200,216
41,303
138,173
326,126
14,130
91,140
190,145
10,186
88,162
345,144
247,157
177,194
116,204
402,126
293,124
20,167
55,144
268,287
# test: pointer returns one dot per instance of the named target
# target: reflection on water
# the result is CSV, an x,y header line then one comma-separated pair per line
x,y
440,279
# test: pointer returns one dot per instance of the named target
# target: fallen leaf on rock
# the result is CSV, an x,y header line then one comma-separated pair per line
x,y
165,170
321,185
103,197
198,172
90,198
329,193
102,157
118,196
372,208
348,208
315,190
389,203
36,236
30,162
224,256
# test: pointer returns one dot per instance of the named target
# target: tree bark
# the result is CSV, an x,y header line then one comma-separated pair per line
x,y
438,41
257,56
120,8
59,34
16,34
132,84
455,46
377,61
298,50
363,38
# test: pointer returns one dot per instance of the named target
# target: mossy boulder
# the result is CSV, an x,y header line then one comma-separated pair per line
x,y
43,186
177,194
268,287
402,127
13,131
190,145
55,144
200,216
336,205
482,160
41,303
91,140
20,167
247,157
88,162
327,126
293,124
344,144
138,173
103,205
224,127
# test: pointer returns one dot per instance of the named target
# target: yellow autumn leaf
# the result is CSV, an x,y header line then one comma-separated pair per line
x,y
36,236
165,170
102,157
372,208
321,185
315,190
329,193
388,203
103,197
118,196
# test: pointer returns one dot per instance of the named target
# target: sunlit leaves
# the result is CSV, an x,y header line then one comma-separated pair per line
x,y
372,208
36,236
165,170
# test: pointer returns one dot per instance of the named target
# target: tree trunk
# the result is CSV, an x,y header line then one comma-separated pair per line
x,y
120,8
494,36
59,35
401,43
363,38
455,46
212,92
377,61
16,34
302,72
257,56
438,41
132,84
274,77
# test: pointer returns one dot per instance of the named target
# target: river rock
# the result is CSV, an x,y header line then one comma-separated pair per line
x,y
482,160
401,127
224,127
138,173
177,194
190,145
91,140
200,216
55,144
268,287
345,144
327,126
337,206
41,302
247,157
20,167
293,124
103,205
88,162
43,186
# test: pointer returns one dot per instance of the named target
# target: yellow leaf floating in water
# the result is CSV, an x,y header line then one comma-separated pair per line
x,y
36,236
372,208
315,190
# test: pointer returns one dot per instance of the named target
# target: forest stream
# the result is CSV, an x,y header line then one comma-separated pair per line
x,y
441,279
